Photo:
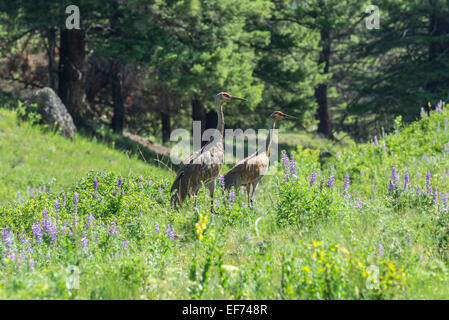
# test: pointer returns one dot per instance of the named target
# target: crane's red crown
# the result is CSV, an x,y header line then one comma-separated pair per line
x,y
225,94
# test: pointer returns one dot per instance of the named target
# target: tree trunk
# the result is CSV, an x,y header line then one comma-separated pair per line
x,y
51,38
199,114
438,46
118,119
71,75
324,125
211,119
166,126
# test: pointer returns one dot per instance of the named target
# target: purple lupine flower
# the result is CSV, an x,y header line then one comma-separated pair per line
x,y
391,186
359,203
384,149
31,264
30,249
112,229
23,240
124,244
381,249
120,182
64,227
406,179
422,113
37,231
439,106
330,181
376,142
292,166
243,204
231,196
222,180
64,199
242,190
170,233
75,220
156,227
23,255
52,231
76,197
435,197
285,165
94,196
95,184
394,178
141,182
445,206
313,178
5,234
7,237
217,203
57,206
84,241
407,238
428,185
90,221
45,220
48,256
346,184
114,193
12,256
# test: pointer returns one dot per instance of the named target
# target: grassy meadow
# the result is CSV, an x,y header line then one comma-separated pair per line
x,y
79,220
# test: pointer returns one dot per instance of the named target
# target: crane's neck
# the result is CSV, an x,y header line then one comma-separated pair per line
x,y
220,124
270,136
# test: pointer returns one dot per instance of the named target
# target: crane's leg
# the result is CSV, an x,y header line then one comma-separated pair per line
x,y
248,191
211,186
255,184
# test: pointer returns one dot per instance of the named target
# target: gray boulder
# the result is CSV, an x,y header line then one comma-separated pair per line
x,y
53,111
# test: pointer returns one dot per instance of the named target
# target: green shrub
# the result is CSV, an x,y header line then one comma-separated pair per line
x,y
303,204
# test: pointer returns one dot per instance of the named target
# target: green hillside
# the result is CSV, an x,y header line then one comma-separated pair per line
x,y
356,227
32,157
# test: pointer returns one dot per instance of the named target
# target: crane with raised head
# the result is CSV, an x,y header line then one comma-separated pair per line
x,y
203,167
249,171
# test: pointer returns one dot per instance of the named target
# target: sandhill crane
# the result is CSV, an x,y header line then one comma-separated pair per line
x,y
204,165
248,171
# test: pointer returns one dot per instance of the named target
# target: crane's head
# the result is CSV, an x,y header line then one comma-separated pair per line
x,y
226,97
278,115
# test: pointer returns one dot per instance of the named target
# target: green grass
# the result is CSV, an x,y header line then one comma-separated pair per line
x,y
301,241
34,157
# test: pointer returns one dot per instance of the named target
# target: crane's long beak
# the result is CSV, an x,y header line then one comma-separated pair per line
x,y
237,98
286,116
